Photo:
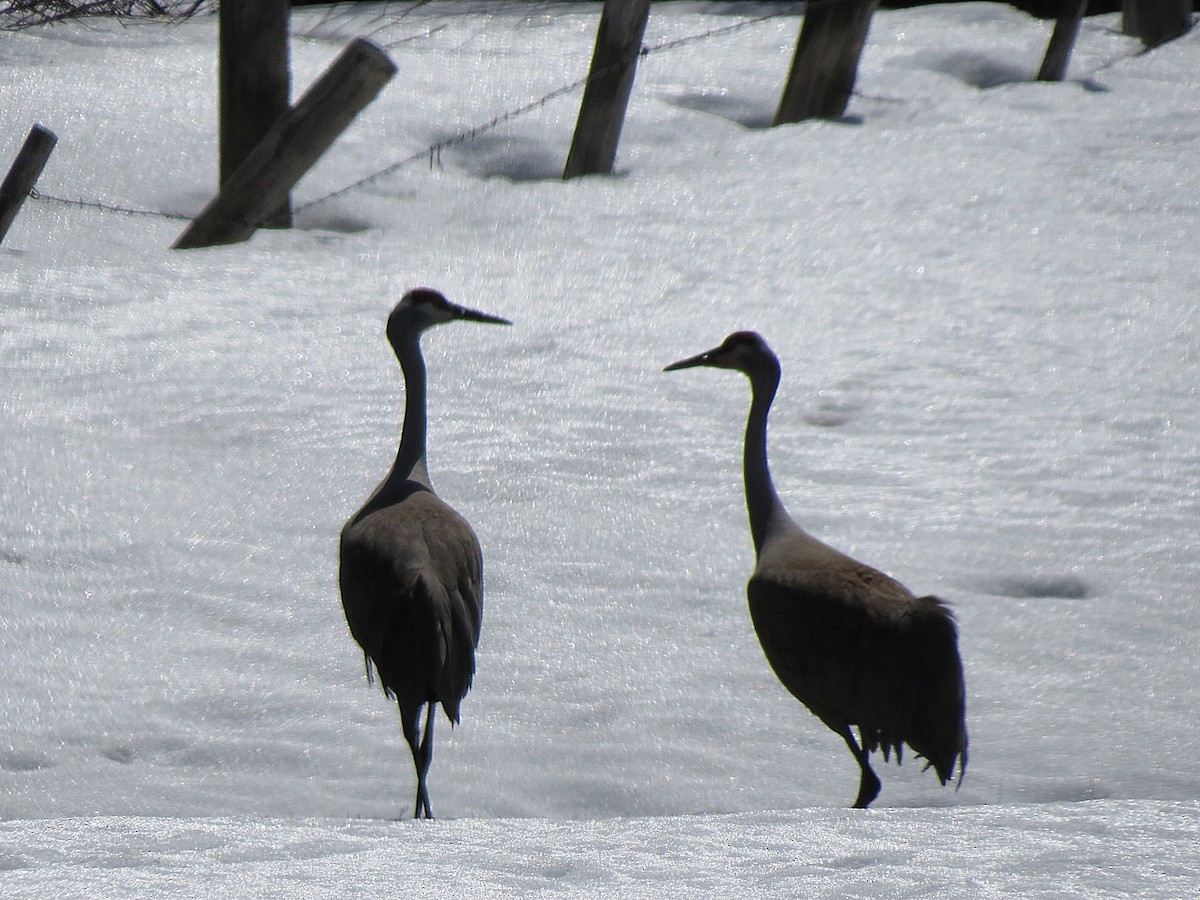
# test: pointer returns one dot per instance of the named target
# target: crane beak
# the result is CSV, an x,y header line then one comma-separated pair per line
x,y
702,359
474,315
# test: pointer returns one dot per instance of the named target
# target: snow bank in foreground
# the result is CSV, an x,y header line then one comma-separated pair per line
x,y
1099,848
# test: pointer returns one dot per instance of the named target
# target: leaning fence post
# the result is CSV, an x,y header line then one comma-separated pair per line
x,y
1062,41
290,147
825,65
610,81
23,174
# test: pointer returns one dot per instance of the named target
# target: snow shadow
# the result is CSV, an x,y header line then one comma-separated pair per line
x,y
980,70
985,72
831,412
513,158
1058,587
745,112
338,221
754,115
25,761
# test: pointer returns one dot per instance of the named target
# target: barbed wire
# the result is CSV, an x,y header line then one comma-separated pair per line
x,y
728,29
35,194
433,151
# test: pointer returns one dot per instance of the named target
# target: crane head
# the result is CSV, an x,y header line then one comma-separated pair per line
x,y
742,351
422,308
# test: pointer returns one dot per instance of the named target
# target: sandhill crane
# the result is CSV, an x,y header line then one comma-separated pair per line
x,y
411,567
850,643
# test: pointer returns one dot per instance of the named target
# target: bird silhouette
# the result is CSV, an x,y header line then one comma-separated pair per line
x,y
853,645
410,566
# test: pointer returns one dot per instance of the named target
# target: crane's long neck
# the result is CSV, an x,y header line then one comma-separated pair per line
x,y
766,510
410,457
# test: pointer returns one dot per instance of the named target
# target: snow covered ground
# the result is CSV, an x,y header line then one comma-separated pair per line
x,y
982,290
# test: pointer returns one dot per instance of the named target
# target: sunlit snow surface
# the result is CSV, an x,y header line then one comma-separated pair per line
x,y
982,290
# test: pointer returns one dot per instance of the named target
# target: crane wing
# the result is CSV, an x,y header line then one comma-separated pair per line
x,y
411,577
857,648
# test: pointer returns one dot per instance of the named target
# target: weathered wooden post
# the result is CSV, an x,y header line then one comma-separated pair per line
x,y
1062,41
606,96
1155,22
23,174
290,147
825,65
254,82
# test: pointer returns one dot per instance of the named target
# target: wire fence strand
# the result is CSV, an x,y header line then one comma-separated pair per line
x,y
35,194
433,152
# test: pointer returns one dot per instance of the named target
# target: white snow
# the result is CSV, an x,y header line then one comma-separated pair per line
x,y
982,290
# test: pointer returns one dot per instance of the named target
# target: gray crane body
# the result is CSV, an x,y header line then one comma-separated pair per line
x,y
423,643
852,644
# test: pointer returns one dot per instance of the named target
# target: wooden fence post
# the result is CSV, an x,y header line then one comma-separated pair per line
x,y
1155,22
1062,41
610,81
825,65
254,82
23,174
290,147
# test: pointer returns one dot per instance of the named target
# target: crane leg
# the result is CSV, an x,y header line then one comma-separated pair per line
x,y
868,784
423,757
421,746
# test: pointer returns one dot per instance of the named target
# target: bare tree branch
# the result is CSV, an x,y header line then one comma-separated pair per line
x,y
18,14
